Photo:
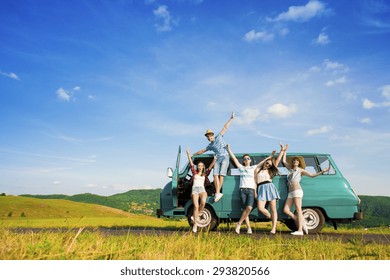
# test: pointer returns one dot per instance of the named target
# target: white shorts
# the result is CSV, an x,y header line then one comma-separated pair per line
x,y
296,193
198,189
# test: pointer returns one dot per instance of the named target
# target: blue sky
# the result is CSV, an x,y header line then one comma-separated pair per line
x,y
96,96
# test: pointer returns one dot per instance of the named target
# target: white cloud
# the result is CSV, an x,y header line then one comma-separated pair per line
x,y
10,75
335,66
322,39
63,94
253,36
56,183
349,95
302,13
331,83
385,91
279,110
162,14
314,69
367,104
284,32
321,130
67,95
366,121
248,116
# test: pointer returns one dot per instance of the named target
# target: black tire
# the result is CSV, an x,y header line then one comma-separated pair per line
x,y
290,224
206,218
314,219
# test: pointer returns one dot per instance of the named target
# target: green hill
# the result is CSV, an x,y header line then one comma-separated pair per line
x,y
17,207
376,211
133,201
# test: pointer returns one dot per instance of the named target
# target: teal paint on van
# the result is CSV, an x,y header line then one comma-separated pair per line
x,y
327,198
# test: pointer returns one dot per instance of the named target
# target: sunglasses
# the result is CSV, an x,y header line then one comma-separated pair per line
x,y
247,158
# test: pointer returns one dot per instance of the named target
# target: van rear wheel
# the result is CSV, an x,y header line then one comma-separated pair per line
x,y
314,219
206,218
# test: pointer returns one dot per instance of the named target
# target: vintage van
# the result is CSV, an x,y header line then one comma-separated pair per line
x,y
328,198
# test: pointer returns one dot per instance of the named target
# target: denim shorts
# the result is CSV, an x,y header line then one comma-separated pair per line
x,y
221,165
247,196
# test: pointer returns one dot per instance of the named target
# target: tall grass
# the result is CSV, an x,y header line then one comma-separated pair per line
x,y
80,244
134,221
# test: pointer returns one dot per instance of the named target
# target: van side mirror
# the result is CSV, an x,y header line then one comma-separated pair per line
x,y
169,172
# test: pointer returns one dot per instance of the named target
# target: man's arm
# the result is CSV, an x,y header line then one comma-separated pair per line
x,y
226,126
200,152
236,162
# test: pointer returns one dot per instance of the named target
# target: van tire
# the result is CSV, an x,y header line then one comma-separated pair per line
x,y
314,219
290,223
208,218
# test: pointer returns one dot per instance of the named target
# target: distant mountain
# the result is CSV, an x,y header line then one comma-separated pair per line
x,y
376,208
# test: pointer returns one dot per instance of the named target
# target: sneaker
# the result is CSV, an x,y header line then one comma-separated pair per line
x,y
218,196
304,227
195,228
237,230
249,231
297,233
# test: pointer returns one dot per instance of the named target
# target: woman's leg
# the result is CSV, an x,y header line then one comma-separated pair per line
x,y
287,209
262,209
203,197
298,209
195,201
274,215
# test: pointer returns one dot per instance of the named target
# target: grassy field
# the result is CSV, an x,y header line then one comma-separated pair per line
x,y
75,242
86,245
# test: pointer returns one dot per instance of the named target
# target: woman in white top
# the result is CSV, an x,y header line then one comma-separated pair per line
x,y
200,175
247,188
267,192
296,166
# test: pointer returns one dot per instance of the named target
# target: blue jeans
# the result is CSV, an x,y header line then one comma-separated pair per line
x,y
247,197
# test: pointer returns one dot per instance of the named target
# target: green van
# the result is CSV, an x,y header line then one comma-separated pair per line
x,y
328,198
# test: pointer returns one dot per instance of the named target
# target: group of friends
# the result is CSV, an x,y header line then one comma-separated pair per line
x,y
255,182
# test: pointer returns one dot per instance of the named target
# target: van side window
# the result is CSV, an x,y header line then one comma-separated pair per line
x,y
324,162
311,164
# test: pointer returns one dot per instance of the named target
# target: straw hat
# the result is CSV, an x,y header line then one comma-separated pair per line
x,y
208,131
302,163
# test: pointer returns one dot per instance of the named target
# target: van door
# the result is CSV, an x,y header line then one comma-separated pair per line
x,y
175,178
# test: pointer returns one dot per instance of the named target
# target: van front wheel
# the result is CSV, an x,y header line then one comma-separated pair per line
x,y
206,218
314,219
